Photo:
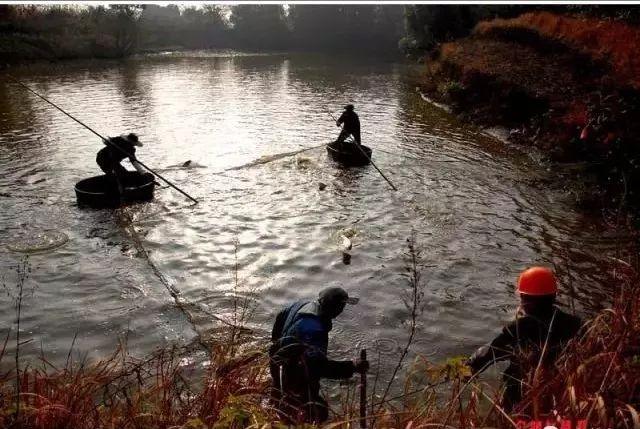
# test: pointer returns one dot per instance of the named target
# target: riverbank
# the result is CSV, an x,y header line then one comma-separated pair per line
x,y
223,381
18,48
595,383
566,85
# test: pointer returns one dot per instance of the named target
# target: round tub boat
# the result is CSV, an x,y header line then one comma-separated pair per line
x,y
102,191
348,154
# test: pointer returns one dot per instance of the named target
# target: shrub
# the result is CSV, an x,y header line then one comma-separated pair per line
x,y
612,41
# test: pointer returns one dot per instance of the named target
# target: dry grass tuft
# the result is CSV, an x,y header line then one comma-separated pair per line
x,y
124,392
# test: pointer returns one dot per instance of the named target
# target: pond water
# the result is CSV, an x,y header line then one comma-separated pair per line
x,y
481,210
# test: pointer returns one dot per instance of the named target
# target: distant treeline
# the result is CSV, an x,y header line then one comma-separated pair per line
x,y
70,31
43,32
29,32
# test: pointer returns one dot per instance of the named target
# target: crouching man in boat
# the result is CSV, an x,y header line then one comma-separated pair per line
x,y
298,356
351,124
537,335
115,150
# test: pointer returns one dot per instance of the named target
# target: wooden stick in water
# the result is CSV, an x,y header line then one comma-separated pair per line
x,y
363,392
376,167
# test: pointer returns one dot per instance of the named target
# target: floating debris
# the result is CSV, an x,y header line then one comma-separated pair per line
x,y
322,186
39,242
304,162
349,232
346,243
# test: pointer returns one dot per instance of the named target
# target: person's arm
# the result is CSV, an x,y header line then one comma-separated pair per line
x,y
276,332
139,168
328,368
338,369
133,160
340,119
316,342
497,350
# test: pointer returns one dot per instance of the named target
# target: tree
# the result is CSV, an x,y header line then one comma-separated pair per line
x,y
203,27
354,28
428,25
260,26
122,24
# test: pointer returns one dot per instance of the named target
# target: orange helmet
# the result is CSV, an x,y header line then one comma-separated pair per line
x,y
537,281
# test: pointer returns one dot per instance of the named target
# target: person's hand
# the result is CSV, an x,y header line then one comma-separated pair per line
x,y
337,124
361,366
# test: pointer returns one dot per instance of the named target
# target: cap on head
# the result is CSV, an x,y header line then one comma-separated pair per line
x,y
336,295
537,281
133,139
349,107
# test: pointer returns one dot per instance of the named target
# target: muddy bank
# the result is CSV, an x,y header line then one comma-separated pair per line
x,y
566,85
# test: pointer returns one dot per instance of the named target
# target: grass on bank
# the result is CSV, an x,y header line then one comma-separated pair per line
x,y
609,40
596,379
567,85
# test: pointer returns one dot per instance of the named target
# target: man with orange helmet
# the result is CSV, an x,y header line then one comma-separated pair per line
x,y
538,333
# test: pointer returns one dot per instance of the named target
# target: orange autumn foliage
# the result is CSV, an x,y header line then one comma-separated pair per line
x,y
609,40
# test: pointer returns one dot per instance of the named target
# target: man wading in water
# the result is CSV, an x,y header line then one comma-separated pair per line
x,y
298,356
539,333
351,124
109,158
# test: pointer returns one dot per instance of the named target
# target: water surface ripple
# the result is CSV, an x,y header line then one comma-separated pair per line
x,y
482,210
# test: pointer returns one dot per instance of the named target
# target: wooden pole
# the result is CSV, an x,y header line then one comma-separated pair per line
x,y
363,392
375,166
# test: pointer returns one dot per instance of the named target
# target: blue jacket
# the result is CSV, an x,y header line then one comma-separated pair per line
x,y
300,327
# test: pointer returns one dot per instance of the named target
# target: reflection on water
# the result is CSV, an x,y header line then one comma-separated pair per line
x,y
482,210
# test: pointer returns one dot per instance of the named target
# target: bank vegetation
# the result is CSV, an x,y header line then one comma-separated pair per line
x,y
564,80
594,383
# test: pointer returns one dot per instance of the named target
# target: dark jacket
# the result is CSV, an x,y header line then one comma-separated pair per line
x,y
528,334
522,341
109,157
350,120
300,335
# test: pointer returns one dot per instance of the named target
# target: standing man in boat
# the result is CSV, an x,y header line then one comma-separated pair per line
x,y
538,334
351,124
298,356
116,150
